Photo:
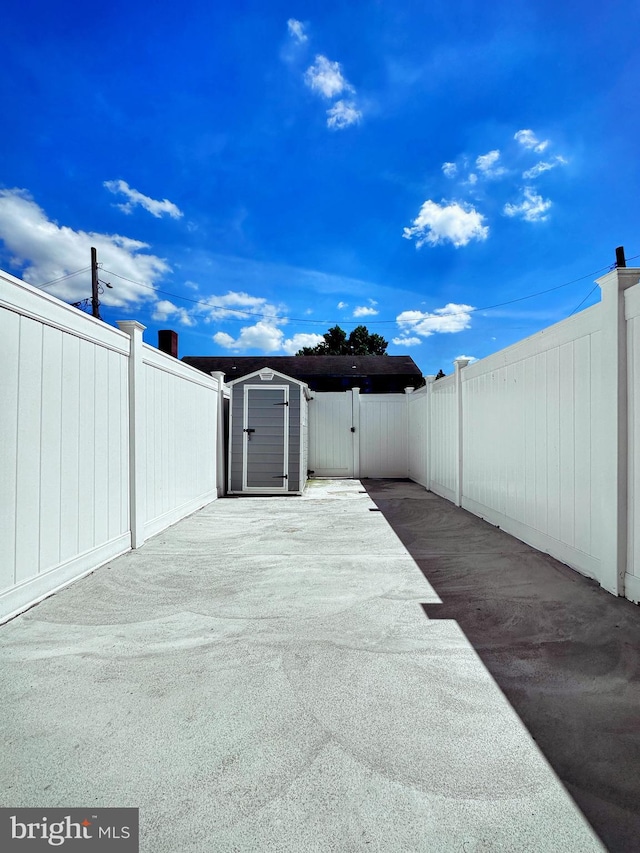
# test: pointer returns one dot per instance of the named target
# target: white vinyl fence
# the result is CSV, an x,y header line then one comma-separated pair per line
x,y
103,441
530,440
540,438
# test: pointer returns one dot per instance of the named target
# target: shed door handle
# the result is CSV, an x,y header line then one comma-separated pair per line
x,y
249,430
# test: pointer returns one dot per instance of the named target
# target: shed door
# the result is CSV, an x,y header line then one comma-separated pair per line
x,y
266,438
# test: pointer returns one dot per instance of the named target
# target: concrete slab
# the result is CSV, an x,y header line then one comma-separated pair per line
x,y
264,676
564,652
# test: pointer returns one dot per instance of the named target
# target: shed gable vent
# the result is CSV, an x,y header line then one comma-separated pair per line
x,y
266,375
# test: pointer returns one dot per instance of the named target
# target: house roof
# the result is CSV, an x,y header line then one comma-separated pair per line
x,y
304,366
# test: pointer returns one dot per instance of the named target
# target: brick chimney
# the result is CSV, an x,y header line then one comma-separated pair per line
x,y
168,342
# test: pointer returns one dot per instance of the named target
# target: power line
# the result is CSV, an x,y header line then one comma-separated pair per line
x,y
612,267
369,322
595,286
62,278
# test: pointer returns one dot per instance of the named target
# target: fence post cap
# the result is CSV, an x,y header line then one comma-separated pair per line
x,y
130,326
463,361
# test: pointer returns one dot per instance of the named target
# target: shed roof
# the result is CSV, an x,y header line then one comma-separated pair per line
x,y
274,374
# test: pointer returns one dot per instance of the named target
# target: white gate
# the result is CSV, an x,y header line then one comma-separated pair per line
x,y
331,434
354,435
384,435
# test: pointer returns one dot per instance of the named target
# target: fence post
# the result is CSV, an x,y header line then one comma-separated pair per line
x,y
355,426
459,363
613,439
137,437
430,379
218,375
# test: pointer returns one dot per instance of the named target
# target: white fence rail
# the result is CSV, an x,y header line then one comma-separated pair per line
x,y
80,453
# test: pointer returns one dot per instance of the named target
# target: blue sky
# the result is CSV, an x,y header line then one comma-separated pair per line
x,y
254,173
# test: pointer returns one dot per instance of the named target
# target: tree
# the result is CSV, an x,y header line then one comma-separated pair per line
x,y
441,374
359,342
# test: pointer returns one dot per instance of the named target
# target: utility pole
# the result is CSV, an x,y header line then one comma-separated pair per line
x,y
95,304
620,259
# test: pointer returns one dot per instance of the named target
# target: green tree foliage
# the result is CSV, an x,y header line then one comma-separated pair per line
x,y
359,342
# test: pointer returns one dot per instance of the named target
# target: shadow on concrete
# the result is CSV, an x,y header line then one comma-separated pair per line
x,y
564,652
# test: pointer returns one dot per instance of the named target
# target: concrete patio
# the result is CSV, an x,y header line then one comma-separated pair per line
x,y
363,668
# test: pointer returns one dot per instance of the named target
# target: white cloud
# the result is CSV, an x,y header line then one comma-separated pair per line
x,y
449,169
364,311
533,207
488,164
406,342
267,337
45,250
224,340
343,304
471,358
529,140
165,310
325,78
296,30
236,305
543,166
343,114
452,318
264,336
302,339
450,221
155,208
472,179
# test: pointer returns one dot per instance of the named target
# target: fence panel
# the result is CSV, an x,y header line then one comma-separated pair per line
x,y
632,316
530,417
443,438
64,504
418,450
383,435
180,439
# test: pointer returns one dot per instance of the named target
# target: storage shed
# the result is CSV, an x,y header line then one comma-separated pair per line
x,y
268,434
